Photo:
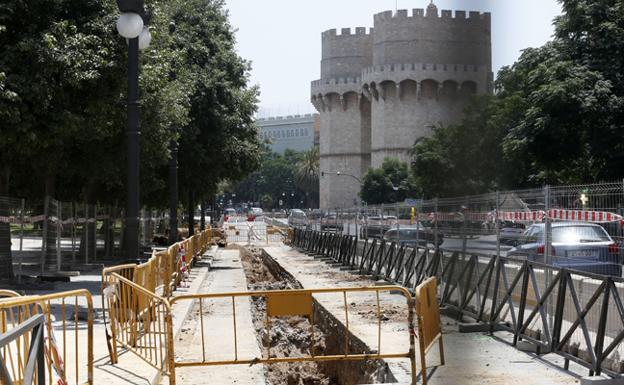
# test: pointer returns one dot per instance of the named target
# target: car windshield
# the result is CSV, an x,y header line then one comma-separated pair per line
x,y
579,234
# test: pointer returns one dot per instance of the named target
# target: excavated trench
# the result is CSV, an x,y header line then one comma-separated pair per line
x,y
291,337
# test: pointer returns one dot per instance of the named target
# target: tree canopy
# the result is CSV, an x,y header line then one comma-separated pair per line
x,y
390,183
62,90
280,178
63,86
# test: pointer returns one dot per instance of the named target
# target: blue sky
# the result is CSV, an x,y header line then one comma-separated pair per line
x,y
282,38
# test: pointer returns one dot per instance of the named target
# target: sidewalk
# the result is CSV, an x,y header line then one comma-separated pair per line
x,y
226,275
131,370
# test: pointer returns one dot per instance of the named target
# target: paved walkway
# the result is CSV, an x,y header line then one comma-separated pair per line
x,y
226,275
470,358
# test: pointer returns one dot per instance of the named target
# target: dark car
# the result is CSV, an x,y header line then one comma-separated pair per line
x,y
413,235
579,246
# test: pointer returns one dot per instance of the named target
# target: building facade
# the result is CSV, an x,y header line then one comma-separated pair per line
x,y
291,132
381,90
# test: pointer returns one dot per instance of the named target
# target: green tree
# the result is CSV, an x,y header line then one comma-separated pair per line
x,y
307,175
276,178
390,183
221,139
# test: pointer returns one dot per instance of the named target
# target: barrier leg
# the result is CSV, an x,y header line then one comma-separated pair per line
x,y
170,351
441,351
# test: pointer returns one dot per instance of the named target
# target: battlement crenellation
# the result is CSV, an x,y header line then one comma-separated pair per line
x,y
347,32
419,13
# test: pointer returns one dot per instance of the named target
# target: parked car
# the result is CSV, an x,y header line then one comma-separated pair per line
x,y
330,221
579,246
376,226
373,227
254,213
412,235
297,218
511,232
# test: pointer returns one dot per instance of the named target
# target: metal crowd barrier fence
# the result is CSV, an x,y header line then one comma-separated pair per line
x,y
577,315
140,321
288,303
134,297
253,232
34,368
429,325
58,327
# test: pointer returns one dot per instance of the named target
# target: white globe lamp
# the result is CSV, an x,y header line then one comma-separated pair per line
x,y
130,25
145,38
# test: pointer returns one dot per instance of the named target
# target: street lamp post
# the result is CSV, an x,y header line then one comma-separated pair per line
x,y
173,189
173,174
131,26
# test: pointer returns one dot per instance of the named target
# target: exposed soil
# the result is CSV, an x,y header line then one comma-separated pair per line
x,y
289,336
387,312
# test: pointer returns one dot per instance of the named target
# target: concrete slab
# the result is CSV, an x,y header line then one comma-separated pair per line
x,y
227,275
598,380
470,358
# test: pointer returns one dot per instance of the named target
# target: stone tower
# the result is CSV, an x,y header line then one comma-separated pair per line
x,y
382,90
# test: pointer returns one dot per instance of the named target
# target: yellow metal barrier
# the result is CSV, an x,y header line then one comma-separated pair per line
x,y
299,303
134,297
140,321
8,294
68,335
429,326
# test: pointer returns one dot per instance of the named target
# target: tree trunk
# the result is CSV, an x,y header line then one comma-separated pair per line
x,y
191,215
51,228
88,246
6,259
202,219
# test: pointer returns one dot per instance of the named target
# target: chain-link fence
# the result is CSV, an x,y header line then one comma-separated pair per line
x,y
578,227
54,238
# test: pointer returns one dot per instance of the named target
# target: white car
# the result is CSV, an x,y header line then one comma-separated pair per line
x,y
297,218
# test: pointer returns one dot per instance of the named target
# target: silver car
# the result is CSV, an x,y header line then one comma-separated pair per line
x,y
579,246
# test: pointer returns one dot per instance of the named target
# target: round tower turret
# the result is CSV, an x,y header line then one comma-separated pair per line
x,y
344,114
382,91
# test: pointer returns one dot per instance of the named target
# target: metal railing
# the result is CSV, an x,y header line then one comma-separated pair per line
x,y
256,232
286,303
140,321
67,336
34,358
577,315
137,314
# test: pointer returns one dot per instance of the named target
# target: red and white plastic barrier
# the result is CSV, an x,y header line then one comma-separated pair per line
x,y
525,216
584,216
